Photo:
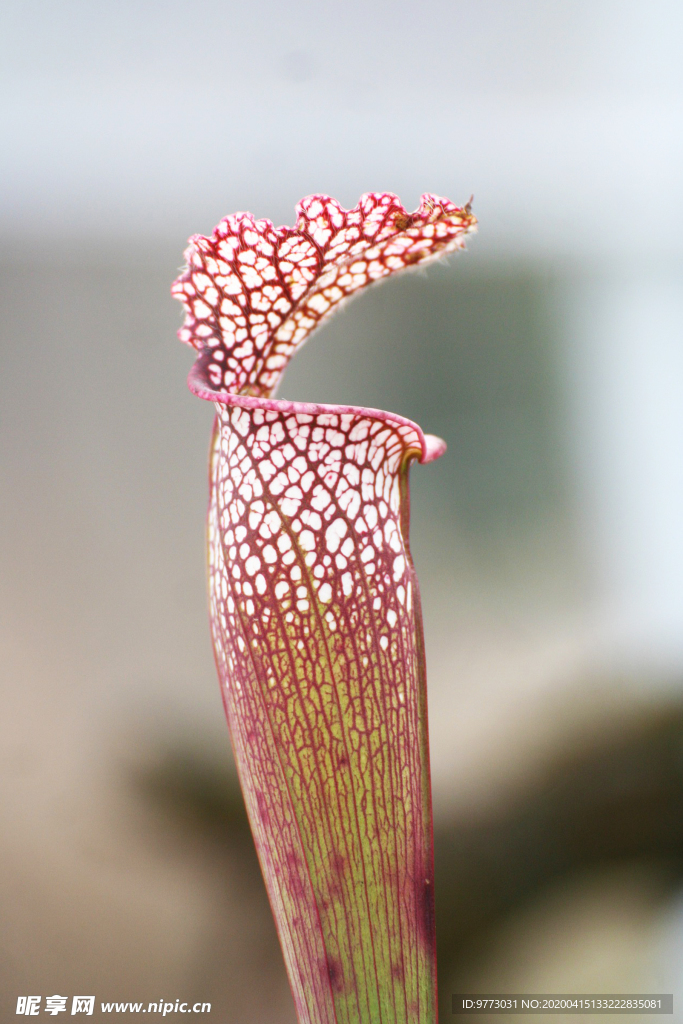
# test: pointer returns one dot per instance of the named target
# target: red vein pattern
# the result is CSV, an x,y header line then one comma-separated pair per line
x,y
315,607
253,293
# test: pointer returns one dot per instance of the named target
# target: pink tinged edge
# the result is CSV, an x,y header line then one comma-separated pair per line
x,y
430,448
315,614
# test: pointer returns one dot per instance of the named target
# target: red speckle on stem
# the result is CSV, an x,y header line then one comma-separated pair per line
x,y
335,975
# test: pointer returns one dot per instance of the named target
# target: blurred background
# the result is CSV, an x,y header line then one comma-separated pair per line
x,y
549,540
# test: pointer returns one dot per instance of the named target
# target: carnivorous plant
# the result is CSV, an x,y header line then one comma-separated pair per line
x,y
314,604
